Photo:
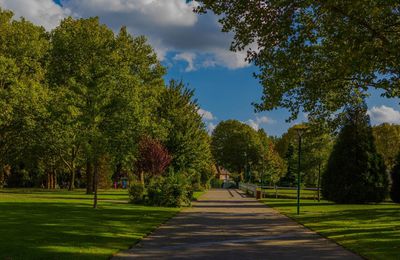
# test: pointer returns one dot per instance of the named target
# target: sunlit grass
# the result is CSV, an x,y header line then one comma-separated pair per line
x,y
38,224
371,230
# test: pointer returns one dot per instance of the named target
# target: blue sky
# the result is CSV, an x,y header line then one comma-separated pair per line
x,y
193,49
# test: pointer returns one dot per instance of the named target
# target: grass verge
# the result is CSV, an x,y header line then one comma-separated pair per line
x,y
197,194
37,224
371,230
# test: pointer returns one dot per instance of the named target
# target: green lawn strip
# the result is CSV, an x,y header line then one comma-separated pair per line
x,y
371,230
290,193
63,225
197,194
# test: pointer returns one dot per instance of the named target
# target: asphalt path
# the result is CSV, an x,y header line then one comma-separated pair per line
x,y
225,224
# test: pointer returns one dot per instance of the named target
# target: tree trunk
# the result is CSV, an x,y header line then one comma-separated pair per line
x,y
96,180
319,183
72,181
89,178
48,180
72,171
142,177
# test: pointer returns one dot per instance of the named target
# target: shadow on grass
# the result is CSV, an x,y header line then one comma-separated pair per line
x,y
47,230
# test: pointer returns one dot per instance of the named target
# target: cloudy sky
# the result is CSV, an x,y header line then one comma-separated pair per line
x,y
194,50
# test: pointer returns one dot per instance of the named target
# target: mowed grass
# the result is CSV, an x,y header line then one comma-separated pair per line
x,y
372,230
37,224
197,194
290,193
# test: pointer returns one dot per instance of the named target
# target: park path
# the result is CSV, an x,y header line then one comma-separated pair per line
x,y
225,224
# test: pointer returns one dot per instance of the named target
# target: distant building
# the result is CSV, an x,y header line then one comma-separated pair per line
x,y
223,174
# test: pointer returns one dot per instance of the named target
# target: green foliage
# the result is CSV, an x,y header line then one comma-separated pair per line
x,y
315,149
235,145
187,138
316,56
355,172
216,183
136,192
395,188
80,97
387,140
170,191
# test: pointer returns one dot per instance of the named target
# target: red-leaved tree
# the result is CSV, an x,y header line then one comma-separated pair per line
x,y
153,159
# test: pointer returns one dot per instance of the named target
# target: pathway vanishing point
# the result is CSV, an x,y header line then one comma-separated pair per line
x,y
225,224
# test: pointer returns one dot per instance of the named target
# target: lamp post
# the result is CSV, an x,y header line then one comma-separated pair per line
x,y
300,129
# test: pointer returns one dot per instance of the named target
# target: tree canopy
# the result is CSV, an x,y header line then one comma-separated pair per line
x,y
316,56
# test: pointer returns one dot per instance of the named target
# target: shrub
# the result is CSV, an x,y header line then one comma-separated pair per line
x,y
177,192
155,191
216,183
395,174
171,191
355,172
137,193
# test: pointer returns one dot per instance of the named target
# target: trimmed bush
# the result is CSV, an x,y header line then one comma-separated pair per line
x,y
137,193
395,174
355,173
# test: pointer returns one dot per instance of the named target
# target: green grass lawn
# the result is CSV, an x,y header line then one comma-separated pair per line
x,y
290,194
197,194
372,230
37,224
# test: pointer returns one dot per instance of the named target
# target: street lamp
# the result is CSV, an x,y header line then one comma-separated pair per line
x,y
300,129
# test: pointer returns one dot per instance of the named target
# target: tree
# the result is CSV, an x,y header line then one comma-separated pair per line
x,y
316,56
187,139
23,91
153,159
236,146
387,140
395,188
273,166
355,173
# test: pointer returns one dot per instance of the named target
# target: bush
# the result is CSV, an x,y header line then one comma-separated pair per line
x,y
355,173
216,183
137,193
155,191
172,191
395,174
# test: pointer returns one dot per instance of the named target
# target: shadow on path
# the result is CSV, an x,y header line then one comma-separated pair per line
x,y
225,224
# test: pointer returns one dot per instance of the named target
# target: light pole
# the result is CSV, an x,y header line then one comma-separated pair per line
x,y
300,129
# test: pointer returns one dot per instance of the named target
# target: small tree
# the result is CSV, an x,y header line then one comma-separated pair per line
x,y
153,158
355,173
395,190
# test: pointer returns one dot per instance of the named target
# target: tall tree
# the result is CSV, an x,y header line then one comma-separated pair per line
x,y
316,56
187,139
355,172
23,90
82,64
236,146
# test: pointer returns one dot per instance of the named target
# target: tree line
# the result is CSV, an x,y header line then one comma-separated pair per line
x,y
76,102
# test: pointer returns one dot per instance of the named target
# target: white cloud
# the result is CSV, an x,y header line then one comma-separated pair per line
x,y
206,115
256,123
384,114
42,12
187,57
156,12
210,127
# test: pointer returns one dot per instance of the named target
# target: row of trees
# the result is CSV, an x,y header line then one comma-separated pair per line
x,y
78,100
351,167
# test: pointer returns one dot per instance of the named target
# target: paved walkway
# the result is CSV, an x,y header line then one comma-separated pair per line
x,y
224,224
